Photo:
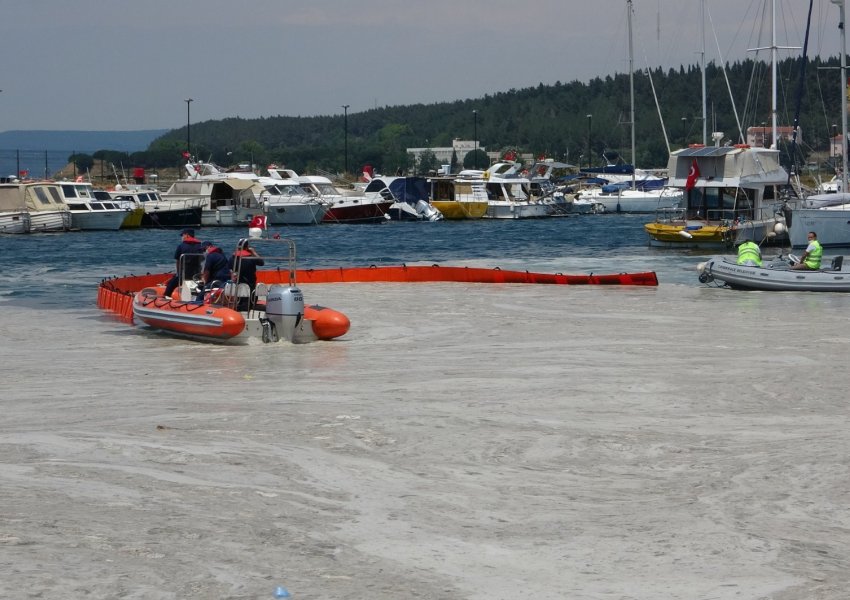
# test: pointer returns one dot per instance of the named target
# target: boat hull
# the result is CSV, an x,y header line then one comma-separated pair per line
x,y
635,201
93,220
831,225
214,322
46,221
455,210
15,222
689,235
354,209
172,218
134,218
517,210
295,213
775,276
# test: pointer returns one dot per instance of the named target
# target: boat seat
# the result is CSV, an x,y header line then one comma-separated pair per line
x,y
837,262
260,293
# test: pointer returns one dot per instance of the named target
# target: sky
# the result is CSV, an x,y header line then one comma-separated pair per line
x,y
131,65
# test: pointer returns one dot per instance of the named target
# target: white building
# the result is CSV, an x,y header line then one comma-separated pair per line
x,y
460,148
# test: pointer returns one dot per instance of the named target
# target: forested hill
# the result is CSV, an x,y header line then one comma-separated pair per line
x,y
547,119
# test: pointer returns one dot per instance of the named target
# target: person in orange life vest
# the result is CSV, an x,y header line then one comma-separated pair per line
x,y
216,266
243,265
189,244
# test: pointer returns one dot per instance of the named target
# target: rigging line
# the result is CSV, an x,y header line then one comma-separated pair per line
x,y
725,76
657,105
800,86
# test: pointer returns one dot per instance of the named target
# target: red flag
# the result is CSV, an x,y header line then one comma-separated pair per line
x,y
693,175
185,154
258,221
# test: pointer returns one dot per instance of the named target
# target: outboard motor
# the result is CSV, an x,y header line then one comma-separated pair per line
x,y
428,211
285,309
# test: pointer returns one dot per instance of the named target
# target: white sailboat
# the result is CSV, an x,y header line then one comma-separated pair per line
x,y
828,215
634,198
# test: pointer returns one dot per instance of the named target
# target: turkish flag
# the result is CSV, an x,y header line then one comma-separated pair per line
x,y
693,175
258,221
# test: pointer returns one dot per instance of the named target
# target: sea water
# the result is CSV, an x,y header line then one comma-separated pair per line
x,y
46,268
462,441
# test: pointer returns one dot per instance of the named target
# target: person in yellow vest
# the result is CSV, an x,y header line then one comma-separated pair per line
x,y
749,254
810,260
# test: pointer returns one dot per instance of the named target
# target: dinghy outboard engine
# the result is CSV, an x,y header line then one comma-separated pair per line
x,y
285,308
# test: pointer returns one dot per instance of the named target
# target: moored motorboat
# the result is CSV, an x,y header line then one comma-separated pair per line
x,y
88,211
775,275
32,206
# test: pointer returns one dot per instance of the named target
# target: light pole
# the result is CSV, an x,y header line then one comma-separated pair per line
x,y
589,130
475,137
684,131
188,125
345,125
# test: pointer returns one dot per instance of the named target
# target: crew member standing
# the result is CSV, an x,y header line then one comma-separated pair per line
x,y
188,267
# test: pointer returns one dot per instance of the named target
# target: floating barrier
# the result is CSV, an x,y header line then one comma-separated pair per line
x,y
116,295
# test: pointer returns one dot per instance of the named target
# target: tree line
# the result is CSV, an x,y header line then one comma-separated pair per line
x,y
582,123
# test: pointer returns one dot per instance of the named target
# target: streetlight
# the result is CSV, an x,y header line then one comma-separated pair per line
x,y
684,132
589,130
345,108
188,125
475,137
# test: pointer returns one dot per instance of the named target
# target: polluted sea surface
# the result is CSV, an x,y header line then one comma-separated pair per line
x,y
461,441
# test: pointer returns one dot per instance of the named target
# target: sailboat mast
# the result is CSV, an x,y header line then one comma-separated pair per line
x,y
631,88
841,4
773,51
702,61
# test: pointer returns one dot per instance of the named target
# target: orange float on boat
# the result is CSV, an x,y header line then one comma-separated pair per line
x,y
327,322
187,318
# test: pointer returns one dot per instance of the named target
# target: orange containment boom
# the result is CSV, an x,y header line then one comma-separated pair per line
x,y
116,295
416,274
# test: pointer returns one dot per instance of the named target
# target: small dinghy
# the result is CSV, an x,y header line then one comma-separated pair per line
x,y
775,275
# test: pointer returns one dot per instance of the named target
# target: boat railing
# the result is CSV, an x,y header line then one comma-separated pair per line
x,y
668,214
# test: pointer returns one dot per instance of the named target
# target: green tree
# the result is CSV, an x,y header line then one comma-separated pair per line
x,y
476,159
82,162
427,162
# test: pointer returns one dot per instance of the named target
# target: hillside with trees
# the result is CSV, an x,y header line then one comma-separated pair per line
x,y
550,120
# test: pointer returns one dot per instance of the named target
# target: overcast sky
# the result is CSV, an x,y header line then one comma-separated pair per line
x,y
129,65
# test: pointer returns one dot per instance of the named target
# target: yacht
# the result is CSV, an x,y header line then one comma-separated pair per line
x,y
409,197
157,212
509,193
228,198
459,197
89,212
730,193
285,201
341,208
32,206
